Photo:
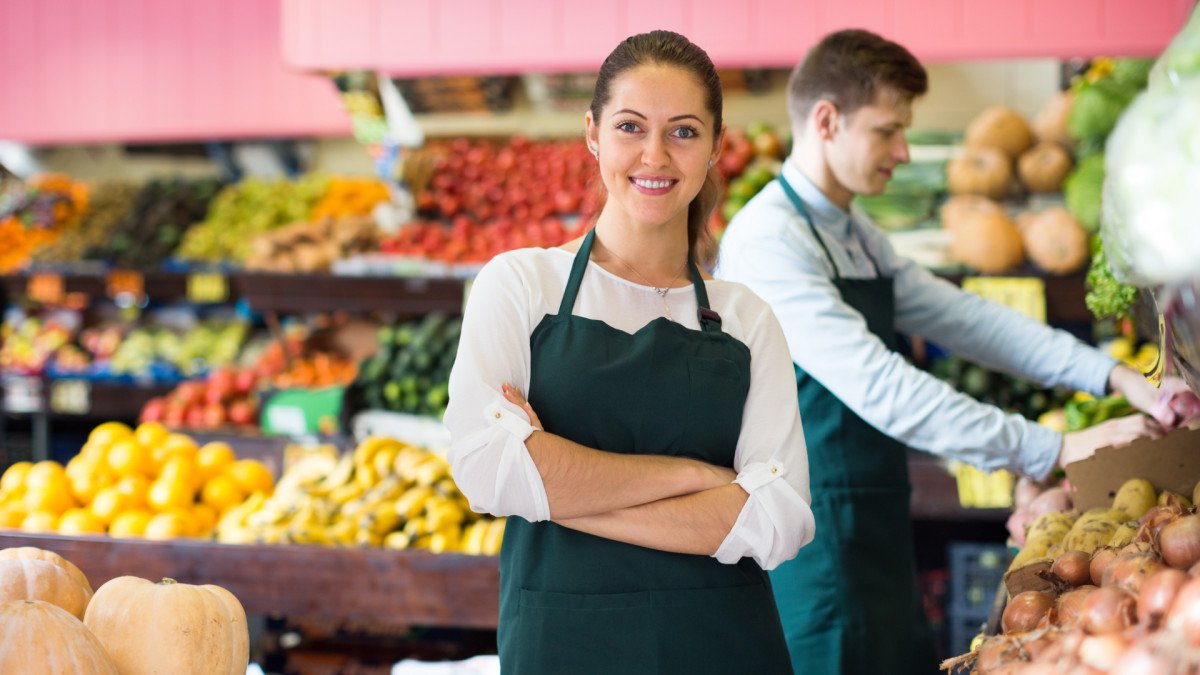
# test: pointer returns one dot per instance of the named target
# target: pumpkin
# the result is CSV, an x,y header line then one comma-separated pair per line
x,y
1044,167
1050,123
1055,241
979,171
32,553
1001,128
168,627
27,579
41,637
960,207
988,241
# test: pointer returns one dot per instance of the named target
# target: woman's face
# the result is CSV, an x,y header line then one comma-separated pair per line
x,y
655,139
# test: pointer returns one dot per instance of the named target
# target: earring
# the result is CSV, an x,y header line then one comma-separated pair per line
x,y
595,152
710,163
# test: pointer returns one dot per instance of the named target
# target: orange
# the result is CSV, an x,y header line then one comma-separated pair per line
x,y
130,523
108,433
213,459
93,452
107,503
80,521
127,457
179,442
181,468
10,517
205,518
40,521
44,473
252,476
134,490
169,494
151,434
55,497
14,477
85,483
222,492
169,525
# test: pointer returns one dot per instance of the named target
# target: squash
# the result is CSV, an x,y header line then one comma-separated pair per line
x,y
1044,167
980,171
41,637
168,627
1056,242
987,241
1001,128
26,579
32,553
959,207
1050,123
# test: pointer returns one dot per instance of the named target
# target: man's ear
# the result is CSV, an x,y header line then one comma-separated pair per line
x,y
824,117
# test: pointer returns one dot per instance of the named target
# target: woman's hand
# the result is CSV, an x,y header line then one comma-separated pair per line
x,y
514,395
1120,431
1172,405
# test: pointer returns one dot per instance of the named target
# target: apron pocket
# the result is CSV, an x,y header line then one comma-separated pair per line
x,y
713,366
732,629
584,633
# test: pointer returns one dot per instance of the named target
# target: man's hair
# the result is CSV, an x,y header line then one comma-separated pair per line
x,y
848,68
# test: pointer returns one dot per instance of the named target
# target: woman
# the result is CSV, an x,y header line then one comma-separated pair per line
x,y
664,469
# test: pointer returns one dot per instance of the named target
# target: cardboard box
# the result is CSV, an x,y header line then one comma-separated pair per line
x,y
1169,463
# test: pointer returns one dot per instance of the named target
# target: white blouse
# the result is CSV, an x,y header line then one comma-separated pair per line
x,y
490,462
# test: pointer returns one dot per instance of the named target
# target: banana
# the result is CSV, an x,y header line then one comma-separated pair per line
x,y
342,532
381,520
495,537
1134,498
442,513
397,541
447,487
472,538
445,540
384,459
410,504
364,454
364,475
341,474
345,493
416,527
365,538
407,460
431,470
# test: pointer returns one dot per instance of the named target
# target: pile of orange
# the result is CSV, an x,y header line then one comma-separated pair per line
x,y
144,482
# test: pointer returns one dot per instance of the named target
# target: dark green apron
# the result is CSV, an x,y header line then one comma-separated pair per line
x,y
849,601
572,603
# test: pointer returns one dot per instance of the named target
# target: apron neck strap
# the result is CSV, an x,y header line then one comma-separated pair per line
x,y
710,321
798,203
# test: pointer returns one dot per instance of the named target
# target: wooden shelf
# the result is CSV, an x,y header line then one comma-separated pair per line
x,y
413,588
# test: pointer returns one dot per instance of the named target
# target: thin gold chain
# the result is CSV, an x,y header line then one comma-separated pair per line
x,y
660,292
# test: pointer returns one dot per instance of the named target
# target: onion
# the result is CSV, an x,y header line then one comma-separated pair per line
x,y
1108,610
1155,519
1142,659
1184,614
1025,611
1073,567
1180,542
1070,606
1102,651
995,653
1129,570
1157,594
1101,559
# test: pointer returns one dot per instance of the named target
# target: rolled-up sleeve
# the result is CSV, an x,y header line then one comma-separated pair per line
x,y
771,458
488,457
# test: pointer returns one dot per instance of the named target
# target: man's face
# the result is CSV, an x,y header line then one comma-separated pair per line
x,y
868,144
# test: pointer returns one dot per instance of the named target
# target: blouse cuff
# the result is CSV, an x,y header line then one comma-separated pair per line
x,y
516,424
757,474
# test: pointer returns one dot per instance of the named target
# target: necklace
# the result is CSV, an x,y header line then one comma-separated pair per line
x,y
660,292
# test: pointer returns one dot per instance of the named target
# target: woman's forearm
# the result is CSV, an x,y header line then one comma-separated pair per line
x,y
582,481
696,523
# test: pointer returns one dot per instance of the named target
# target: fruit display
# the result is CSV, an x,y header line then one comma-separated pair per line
x,y
1113,589
1054,241
51,622
144,482
108,202
30,342
35,214
162,214
410,372
468,241
313,246
227,396
988,241
749,160
148,350
385,493
348,197
243,211
1008,393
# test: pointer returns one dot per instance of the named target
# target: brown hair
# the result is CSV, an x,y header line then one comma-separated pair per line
x,y
847,68
663,47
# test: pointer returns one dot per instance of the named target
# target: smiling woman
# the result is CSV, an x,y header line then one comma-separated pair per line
x,y
657,467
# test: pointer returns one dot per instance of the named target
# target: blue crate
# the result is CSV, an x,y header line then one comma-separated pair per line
x,y
960,630
976,571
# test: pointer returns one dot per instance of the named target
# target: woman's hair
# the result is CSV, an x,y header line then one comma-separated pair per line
x,y
847,68
663,47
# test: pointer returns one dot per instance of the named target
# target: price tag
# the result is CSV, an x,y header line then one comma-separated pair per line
x,y
207,288
70,397
47,289
126,286
286,420
1024,294
22,394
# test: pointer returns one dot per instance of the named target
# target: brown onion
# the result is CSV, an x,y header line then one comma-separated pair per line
x,y
1102,651
1142,659
995,653
1184,614
1101,559
1155,519
1108,610
1129,570
1025,611
1180,542
1073,567
1070,606
1157,594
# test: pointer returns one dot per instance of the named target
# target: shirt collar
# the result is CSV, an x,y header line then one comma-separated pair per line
x,y
825,214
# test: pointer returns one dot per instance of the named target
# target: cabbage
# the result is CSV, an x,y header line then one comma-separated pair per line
x,y
1082,190
1182,57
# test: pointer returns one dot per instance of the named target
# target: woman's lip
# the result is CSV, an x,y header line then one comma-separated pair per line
x,y
661,185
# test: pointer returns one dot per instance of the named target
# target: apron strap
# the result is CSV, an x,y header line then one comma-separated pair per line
x,y
577,268
710,321
803,211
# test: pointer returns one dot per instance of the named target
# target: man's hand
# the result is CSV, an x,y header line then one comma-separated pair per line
x,y
1083,444
1172,405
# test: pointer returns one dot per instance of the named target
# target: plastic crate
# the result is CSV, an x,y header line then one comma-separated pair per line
x,y
960,631
976,572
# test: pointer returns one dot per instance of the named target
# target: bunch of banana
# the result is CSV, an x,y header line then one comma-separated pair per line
x,y
385,493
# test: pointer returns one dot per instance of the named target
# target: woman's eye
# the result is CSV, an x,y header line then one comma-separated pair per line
x,y
627,127
686,132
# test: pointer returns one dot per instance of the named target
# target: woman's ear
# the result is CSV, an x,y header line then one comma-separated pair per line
x,y
717,145
591,133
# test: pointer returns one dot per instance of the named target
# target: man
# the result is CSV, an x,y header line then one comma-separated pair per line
x,y
849,601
